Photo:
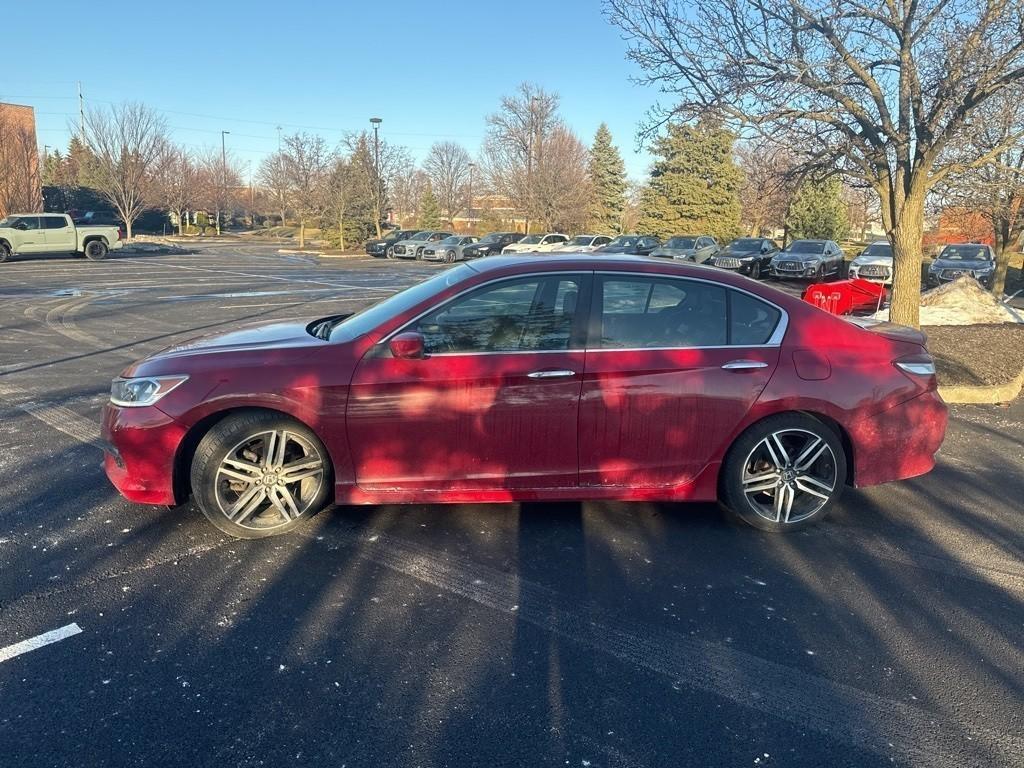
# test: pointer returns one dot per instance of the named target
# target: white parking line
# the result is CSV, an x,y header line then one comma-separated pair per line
x,y
34,643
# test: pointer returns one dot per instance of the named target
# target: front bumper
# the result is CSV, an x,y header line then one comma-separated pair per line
x,y
377,250
801,272
872,273
948,276
140,445
734,265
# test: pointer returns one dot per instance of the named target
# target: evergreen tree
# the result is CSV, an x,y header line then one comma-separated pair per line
x,y
607,175
430,210
694,185
818,212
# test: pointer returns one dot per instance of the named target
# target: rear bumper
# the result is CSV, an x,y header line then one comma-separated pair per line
x,y
900,442
140,446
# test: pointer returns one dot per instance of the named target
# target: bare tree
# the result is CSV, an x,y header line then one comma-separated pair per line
x,y
272,175
768,184
126,142
876,90
19,166
994,191
176,183
407,190
307,163
511,148
447,166
561,188
220,174
526,142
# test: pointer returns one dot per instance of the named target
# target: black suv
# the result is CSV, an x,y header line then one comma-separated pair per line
x,y
491,245
379,248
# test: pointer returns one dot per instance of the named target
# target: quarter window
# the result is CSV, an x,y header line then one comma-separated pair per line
x,y
751,321
513,316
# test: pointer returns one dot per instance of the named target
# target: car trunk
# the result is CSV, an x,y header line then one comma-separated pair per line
x,y
889,330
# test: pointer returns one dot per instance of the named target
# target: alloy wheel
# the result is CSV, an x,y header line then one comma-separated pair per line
x,y
789,476
269,479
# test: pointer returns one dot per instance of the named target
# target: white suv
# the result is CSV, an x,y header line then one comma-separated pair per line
x,y
537,243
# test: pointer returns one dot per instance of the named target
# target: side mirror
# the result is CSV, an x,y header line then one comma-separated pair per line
x,y
407,346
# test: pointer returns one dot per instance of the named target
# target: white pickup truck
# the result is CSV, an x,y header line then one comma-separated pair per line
x,y
34,233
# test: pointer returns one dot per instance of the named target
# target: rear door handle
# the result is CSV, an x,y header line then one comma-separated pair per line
x,y
743,365
551,374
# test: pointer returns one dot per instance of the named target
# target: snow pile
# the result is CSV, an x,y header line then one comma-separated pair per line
x,y
961,302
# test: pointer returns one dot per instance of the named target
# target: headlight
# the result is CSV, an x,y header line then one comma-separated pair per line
x,y
983,270
132,393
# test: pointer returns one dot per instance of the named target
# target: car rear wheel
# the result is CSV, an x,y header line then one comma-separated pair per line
x,y
260,474
96,250
784,473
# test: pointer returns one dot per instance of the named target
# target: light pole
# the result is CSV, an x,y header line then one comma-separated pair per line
x,y
223,176
469,213
375,122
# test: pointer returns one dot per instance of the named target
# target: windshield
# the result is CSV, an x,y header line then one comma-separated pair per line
x,y
878,249
964,253
365,320
6,221
625,240
745,244
806,246
492,238
530,240
582,240
394,235
453,240
421,236
681,242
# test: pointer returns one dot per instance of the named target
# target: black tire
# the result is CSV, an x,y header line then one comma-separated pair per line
x,y
389,253
755,271
749,459
449,257
241,438
5,252
96,250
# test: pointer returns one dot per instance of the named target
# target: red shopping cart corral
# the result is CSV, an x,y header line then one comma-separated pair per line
x,y
845,296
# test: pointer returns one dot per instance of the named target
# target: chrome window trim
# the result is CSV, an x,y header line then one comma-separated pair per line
x,y
774,341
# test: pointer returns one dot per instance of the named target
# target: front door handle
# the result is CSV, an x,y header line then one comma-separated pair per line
x,y
551,374
743,365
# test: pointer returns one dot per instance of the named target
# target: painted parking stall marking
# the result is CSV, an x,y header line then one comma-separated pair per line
x,y
39,641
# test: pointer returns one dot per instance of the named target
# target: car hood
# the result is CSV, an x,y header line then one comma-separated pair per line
x,y
738,254
873,261
616,249
662,251
961,264
284,335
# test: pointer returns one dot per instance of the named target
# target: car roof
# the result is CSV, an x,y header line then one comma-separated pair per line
x,y
569,261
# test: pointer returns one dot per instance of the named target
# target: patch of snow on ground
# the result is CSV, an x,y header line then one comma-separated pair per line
x,y
961,302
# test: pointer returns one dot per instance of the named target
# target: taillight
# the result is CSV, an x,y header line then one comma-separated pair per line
x,y
918,365
120,234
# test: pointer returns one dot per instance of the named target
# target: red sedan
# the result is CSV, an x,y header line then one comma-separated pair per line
x,y
518,379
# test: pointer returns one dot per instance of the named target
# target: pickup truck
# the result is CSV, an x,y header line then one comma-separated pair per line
x,y
33,233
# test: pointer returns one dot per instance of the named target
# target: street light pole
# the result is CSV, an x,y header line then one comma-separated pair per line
x,y
376,121
223,176
529,166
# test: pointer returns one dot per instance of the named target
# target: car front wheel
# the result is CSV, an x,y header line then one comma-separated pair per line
x,y
5,253
784,473
260,474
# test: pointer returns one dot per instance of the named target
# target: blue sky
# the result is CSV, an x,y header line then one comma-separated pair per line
x,y
432,71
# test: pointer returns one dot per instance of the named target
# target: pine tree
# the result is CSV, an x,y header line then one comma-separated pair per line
x,y
430,210
607,175
694,185
818,212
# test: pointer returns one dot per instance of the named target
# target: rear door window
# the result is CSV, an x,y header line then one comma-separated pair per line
x,y
54,222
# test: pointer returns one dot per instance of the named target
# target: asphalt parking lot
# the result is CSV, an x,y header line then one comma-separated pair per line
x,y
594,634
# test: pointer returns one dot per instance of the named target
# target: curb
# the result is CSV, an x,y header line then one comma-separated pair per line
x,y
296,251
989,395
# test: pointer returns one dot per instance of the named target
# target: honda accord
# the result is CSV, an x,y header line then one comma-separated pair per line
x,y
513,378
